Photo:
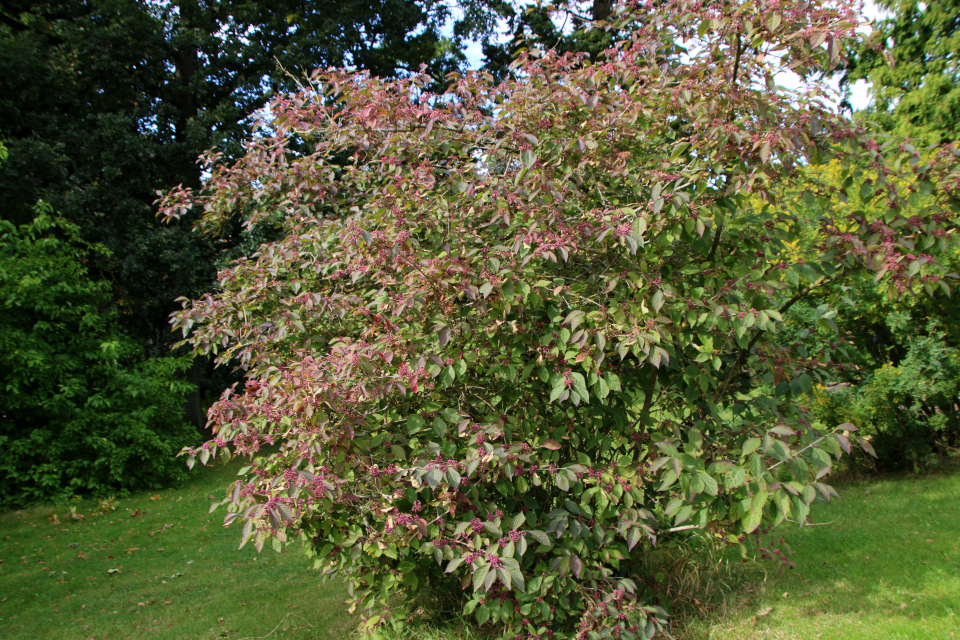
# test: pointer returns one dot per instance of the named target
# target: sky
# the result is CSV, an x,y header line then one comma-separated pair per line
x,y
859,98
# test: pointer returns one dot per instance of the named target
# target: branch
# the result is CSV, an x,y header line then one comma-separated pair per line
x,y
647,400
736,62
745,351
716,243
685,527
19,27
16,25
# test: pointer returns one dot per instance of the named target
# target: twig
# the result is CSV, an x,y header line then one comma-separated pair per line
x,y
278,626
685,527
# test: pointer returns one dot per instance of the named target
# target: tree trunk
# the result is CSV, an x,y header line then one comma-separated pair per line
x,y
602,9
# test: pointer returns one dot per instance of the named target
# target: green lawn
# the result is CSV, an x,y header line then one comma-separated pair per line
x,y
885,564
180,574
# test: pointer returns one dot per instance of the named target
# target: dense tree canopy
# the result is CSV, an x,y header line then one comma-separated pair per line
x,y
900,383
912,65
105,102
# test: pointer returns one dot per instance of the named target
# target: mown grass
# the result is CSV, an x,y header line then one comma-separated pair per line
x,y
883,562
178,574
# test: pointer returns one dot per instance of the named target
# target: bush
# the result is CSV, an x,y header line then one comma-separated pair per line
x,y
83,412
895,361
514,335
908,409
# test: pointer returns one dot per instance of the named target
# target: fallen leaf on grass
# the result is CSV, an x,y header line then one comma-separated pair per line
x,y
764,612
112,571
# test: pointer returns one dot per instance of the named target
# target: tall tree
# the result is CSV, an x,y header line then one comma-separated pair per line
x,y
105,102
912,65
565,26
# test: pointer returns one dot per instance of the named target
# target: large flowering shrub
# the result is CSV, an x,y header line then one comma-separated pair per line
x,y
511,335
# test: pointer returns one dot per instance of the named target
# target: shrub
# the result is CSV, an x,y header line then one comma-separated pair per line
x,y
907,408
895,372
82,411
513,335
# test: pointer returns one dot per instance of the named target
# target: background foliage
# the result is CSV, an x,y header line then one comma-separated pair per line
x,y
83,411
910,62
104,103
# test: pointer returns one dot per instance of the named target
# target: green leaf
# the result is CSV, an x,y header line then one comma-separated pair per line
x,y
668,479
557,390
415,423
709,482
447,376
580,386
541,537
602,389
750,445
528,158
633,537
478,577
433,478
752,519
735,478
657,301
453,478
